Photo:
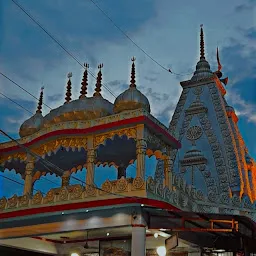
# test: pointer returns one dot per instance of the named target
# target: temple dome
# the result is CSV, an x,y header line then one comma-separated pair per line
x,y
31,125
132,98
80,109
84,108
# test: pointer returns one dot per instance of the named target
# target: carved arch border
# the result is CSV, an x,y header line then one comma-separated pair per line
x,y
130,133
53,146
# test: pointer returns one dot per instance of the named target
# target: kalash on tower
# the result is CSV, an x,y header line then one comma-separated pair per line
x,y
201,199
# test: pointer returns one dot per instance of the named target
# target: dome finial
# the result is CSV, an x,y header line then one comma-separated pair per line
x,y
98,83
68,93
202,42
84,83
40,102
133,81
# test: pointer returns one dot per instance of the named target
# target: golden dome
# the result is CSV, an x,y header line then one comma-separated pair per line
x,y
132,98
33,124
84,108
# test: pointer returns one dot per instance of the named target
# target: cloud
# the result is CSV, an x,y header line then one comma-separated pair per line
x,y
247,6
55,97
150,79
31,58
243,108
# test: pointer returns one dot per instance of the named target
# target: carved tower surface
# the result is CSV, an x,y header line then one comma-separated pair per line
x,y
213,156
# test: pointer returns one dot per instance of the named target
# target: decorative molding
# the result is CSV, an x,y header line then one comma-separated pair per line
x,y
203,81
235,172
128,132
194,133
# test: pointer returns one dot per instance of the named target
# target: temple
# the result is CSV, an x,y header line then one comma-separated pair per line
x,y
200,200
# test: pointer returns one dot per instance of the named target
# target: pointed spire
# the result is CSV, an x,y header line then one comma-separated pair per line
x,y
202,43
40,102
84,83
133,81
98,83
68,93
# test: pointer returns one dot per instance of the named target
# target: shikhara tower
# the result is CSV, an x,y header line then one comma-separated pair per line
x,y
213,156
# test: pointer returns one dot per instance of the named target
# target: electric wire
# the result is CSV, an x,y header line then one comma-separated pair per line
x,y
19,183
32,114
61,171
16,103
130,39
60,45
22,88
132,165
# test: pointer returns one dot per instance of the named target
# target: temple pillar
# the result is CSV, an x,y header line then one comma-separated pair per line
x,y
121,171
65,179
90,166
141,147
28,185
138,240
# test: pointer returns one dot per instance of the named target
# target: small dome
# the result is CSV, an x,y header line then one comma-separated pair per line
x,y
202,70
132,98
34,123
84,108
81,109
31,125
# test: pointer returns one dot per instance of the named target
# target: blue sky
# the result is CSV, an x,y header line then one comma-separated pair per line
x,y
167,30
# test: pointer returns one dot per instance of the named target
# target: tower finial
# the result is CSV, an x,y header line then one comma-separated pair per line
x,y
98,83
84,83
40,102
68,93
133,81
202,42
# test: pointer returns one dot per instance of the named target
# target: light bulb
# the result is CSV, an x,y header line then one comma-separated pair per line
x,y
161,251
156,235
74,254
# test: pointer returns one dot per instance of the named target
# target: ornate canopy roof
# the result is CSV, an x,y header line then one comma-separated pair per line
x,y
61,136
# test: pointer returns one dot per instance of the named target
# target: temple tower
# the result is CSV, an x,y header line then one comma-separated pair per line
x,y
213,156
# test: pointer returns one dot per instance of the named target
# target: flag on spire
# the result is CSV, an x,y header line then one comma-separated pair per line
x,y
218,60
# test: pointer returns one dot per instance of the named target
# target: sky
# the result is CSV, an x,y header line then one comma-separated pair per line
x,y
167,30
